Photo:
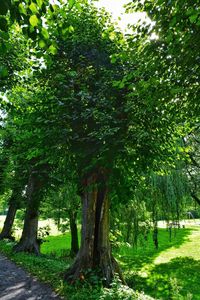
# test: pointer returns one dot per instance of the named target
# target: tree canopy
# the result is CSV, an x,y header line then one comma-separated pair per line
x,y
87,106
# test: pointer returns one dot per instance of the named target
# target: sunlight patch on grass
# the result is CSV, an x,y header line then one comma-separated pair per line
x,y
56,245
190,248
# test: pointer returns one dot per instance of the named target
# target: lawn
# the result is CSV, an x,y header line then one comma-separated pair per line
x,y
171,272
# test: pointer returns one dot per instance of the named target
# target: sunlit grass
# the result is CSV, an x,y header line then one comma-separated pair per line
x,y
172,271
190,248
58,246
169,273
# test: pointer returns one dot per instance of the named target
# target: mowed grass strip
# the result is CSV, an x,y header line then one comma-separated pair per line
x,y
172,271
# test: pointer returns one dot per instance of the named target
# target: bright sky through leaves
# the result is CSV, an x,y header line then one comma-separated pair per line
x,y
115,7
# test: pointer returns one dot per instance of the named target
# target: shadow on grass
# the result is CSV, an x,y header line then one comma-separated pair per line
x,y
179,277
132,259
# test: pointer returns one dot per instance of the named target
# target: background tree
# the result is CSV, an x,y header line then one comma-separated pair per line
x,y
17,182
63,206
177,28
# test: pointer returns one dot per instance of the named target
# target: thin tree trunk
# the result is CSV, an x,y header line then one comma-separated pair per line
x,y
6,232
28,241
128,228
95,250
155,234
74,233
194,196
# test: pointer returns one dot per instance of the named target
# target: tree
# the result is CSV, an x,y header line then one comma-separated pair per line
x,y
105,125
16,201
62,204
95,104
177,26
36,160
29,241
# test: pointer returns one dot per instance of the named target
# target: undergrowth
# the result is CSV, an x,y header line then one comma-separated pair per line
x,y
50,270
177,279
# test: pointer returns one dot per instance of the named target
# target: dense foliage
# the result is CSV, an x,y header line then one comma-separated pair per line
x,y
95,118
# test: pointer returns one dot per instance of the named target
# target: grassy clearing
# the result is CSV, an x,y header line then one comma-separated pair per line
x,y
172,271
169,273
57,246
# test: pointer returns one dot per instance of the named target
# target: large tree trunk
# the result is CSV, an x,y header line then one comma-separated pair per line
x,y
95,250
74,233
6,232
29,241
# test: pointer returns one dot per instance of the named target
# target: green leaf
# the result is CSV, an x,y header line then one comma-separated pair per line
x,y
39,3
42,43
33,8
45,33
22,9
33,20
112,35
55,7
78,6
71,28
113,59
121,85
53,50
193,18
71,3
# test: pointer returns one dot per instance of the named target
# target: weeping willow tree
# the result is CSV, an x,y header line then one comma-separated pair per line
x,y
157,197
171,192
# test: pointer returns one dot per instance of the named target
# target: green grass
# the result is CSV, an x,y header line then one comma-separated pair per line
x,y
57,246
169,273
50,269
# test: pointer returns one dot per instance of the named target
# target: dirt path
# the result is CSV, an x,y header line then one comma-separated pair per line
x,y
16,284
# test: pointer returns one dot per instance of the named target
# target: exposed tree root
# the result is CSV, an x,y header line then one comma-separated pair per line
x,y
27,246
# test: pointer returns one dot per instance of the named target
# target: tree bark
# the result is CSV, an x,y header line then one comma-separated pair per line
x,y
95,251
6,232
74,233
155,234
29,241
